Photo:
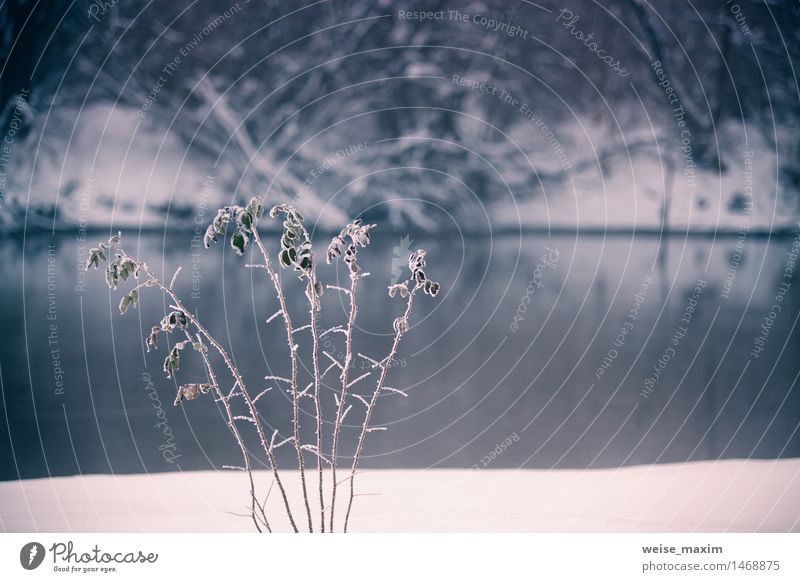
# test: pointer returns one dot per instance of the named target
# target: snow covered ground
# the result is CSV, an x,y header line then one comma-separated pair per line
x,y
115,170
740,496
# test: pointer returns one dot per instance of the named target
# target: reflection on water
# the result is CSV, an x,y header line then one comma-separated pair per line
x,y
559,351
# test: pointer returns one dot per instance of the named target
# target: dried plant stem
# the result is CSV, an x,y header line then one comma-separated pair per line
x,y
239,440
313,308
317,380
297,254
385,365
293,357
354,277
236,377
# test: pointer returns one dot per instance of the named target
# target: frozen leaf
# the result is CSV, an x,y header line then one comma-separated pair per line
x,y
401,325
152,339
277,209
112,275
173,360
172,320
95,255
246,221
128,301
288,257
239,241
402,288
431,288
199,346
191,391
210,236
255,207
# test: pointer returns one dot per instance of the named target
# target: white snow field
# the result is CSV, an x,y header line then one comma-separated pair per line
x,y
708,496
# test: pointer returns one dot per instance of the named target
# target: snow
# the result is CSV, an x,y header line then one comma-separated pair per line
x,y
105,164
707,496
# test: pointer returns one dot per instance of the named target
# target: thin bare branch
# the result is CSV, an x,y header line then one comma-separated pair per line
x,y
313,449
333,329
283,442
396,391
334,360
361,377
337,288
378,388
278,379
175,277
361,399
260,394
375,363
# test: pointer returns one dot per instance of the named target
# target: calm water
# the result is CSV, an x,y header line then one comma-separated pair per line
x,y
680,380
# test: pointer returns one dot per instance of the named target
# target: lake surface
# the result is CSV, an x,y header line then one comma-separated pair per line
x,y
541,351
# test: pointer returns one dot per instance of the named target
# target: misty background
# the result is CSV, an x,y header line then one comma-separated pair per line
x,y
264,93
640,142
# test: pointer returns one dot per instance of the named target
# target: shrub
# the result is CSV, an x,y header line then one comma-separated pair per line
x,y
295,253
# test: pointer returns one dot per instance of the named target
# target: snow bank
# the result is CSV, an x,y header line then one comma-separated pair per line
x,y
745,496
105,164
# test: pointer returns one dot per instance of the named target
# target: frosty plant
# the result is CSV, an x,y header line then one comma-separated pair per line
x,y
184,333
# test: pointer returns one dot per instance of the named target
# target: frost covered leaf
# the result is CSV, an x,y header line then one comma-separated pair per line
x,y
334,249
288,257
128,301
92,261
417,260
314,293
244,219
191,391
217,226
255,207
305,255
172,320
402,288
95,256
112,275
221,220
199,346
300,257
358,234
431,288
173,360
128,267
239,241
152,339
210,236
401,325
277,209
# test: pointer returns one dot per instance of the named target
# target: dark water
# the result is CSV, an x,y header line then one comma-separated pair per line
x,y
78,390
